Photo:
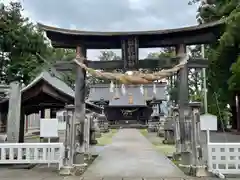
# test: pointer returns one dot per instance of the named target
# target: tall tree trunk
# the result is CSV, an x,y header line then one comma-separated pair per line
x,y
238,112
234,116
235,109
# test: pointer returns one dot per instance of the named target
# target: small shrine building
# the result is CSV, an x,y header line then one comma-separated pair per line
x,y
131,104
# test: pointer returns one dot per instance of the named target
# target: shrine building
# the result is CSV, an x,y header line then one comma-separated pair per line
x,y
132,104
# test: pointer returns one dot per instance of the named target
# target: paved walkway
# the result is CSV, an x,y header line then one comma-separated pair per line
x,y
131,155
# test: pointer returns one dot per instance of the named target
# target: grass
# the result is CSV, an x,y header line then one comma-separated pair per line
x,y
176,162
32,137
157,143
165,148
106,138
144,132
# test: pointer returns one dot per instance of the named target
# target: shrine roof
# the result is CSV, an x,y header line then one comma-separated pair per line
x,y
102,91
59,90
198,34
57,84
54,81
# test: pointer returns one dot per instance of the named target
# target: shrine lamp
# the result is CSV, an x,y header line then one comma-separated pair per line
x,y
69,110
102,104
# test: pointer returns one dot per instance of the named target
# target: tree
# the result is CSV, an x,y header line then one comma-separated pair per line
x,y
173,85
20,42
108,56
153,55
24,49
61,54
222,54
104,56
165,52
195,79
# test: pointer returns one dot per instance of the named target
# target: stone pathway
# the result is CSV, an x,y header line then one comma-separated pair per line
x,y
131,155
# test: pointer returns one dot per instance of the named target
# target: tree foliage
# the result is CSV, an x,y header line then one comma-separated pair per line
x,y
60,54
20,42
222,55
165,52
25,51
108,56
234,83
104,56
194,78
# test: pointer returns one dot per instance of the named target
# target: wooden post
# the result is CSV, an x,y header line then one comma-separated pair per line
x,y
26,123
1,122
42,113
22,125
47,113
79,114
53,113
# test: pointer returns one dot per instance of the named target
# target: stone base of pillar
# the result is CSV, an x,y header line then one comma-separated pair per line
x,y
186,158
185,162
88,155
79,169
66,171
177,156
195,171
76,170
78,158
93,142
98,134
202,172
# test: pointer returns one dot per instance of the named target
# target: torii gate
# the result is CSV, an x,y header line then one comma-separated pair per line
x,y
129,43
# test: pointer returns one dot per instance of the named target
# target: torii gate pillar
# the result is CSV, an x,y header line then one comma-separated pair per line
x,y
79,113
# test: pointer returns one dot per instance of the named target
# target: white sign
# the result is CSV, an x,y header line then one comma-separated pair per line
x,y
49,128
208,122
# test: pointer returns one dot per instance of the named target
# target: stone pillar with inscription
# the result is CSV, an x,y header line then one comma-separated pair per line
x,y
95,125
14,113
69,145
79,113
176,130
87,134
198,165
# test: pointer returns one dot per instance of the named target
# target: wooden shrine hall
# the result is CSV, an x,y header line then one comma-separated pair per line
x,y
44,92
131,105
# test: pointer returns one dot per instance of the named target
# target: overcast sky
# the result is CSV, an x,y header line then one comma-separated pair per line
x,y
111,15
